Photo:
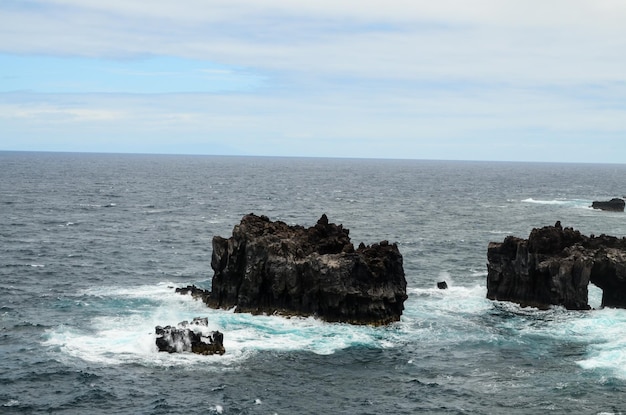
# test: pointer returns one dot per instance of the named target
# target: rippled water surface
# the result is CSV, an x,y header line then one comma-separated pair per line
x,y
91,246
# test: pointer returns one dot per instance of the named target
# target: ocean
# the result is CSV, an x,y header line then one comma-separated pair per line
x,y
92,246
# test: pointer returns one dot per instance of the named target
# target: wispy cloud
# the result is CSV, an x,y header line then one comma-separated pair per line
x,y
47,74
53,115
445,79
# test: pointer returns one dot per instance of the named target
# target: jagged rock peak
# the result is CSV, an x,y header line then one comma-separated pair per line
x,y
268,266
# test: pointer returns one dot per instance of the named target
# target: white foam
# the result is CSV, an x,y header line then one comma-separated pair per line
x,y
458,315
469,300
600,333
123,329
445,316
126,333
544,202
144,291
607,353
575,203
11,402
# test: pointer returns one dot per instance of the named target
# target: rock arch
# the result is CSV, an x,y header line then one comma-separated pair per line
x,y
554,266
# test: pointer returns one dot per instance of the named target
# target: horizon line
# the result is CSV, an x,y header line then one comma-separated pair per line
x,y
130,153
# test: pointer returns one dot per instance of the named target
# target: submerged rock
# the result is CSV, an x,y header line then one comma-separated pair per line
x,y
190,337
615,205
554,266
271,267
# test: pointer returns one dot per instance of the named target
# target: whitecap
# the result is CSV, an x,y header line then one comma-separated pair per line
x,y
574,203
124,330
446,316
607,353
544,202
497,232
11,402
597,334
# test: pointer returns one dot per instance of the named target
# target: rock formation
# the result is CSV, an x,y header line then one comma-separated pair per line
x,y
615,205
271,267
190,337
554,266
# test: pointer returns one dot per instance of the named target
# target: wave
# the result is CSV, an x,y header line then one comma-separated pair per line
x,y
575,203
596,337
122,330
608,352
463,314
446,318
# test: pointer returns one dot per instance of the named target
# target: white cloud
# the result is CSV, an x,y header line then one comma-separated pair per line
x,y
477,124
493,12
51,114
518,40
422,76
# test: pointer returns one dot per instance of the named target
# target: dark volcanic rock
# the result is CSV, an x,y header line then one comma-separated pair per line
x,y
271,267
615,204
554,266
190,337
195,292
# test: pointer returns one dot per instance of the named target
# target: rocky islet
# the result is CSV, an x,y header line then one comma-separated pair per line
x,y
271,267
274,268
554,266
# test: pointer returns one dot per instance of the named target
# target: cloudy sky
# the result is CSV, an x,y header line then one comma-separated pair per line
x,y
523,80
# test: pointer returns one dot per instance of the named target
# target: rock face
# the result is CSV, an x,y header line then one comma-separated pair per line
x,y
615,205
190,337
271,267
554,266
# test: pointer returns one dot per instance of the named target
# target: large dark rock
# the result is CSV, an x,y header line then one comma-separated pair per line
x,y
271,267
615,205
190,337
554,266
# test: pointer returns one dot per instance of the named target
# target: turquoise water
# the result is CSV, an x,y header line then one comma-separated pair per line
x,y
92,246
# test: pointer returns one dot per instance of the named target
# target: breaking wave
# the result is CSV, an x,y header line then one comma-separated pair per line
x,y
123,329
573,203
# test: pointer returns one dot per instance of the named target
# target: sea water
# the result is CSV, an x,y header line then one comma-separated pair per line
x,y
92,246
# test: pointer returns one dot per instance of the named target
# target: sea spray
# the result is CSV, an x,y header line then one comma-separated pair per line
x,y
78,332
126,333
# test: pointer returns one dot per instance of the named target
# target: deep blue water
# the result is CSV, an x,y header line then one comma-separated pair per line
x,y
91,244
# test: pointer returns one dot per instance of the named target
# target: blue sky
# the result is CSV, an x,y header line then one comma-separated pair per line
x,y
452,79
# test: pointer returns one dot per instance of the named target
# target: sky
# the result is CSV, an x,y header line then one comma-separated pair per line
x,y
509,80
